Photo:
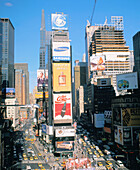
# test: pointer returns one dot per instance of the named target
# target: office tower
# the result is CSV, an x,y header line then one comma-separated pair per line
x,y
22,82
108,52
42,42
7,52
136,46
79,75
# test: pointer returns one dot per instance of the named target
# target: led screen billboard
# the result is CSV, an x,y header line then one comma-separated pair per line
x,y
62,108
118,134
39,95
64,132
97,63
127,81
41,77
61,51
9,92
64,146
61,77
59,21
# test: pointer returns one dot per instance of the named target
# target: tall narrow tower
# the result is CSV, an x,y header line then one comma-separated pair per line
x,y
42,42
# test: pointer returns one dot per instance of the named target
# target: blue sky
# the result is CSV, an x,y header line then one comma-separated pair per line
x,y
25,16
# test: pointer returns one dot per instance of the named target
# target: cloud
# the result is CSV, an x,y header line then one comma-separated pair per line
x,y
8,4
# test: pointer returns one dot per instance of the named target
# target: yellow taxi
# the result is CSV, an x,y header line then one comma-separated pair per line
x,y
100,164
94,146
35,157
39,154
90,153
108,167
24,155
31,158
39,164
42,168
108,162
30,147
101,154
25,158
91,147
98,156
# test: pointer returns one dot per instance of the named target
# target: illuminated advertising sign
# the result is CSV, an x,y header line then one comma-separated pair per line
x,y
118,134
39,95
99,120
97,63
59,22
41,77
127,81
62,108
61,51
117,116
64,132
107,116
127,135
64,146
10,92
131,116
44,129
61,77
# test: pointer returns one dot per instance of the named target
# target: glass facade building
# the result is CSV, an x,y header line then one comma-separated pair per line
x,y
7,52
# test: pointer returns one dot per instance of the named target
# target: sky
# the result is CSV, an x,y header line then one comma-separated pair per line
x,y
25,16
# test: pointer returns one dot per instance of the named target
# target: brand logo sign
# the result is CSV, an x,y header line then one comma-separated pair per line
x,y
59,22
61,51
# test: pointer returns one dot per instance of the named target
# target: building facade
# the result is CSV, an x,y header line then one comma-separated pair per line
x,y
7,52
22,82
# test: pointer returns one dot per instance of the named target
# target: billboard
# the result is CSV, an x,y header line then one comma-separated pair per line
x,y
99,120
41,77
61,77
117,116
59,21
39,95
118,134
62,108
127,81
9,92
64,146
127,135
64,132
61,51
44,128
131,116
97,63
107,116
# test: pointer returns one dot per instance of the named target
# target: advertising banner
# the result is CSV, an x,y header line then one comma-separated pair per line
x,y
99,120
39,95
97,63
10,92
59,21
64,132
41,77
61,77
64,146
127,81
44,129
118,134
107,116
117,116
62,108
61,51
131,116
127,135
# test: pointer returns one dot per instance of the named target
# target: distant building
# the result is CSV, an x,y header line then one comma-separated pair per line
x,y
22,82
7,52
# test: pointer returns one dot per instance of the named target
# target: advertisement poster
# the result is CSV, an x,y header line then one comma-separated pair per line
x,y
41,77
127,81
44,128
59,21
39,95
61,51
97,63
61,77
117,116
127,135
131,116
10,92
62,108
118,134
99,120
64,146
64,132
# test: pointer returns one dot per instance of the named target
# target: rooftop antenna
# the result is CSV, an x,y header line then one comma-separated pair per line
x,y
93,12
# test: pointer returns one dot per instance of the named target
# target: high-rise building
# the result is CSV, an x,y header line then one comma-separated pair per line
x,y
7,52
22,82
107,45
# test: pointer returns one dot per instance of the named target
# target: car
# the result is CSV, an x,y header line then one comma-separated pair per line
x,y
31,158
24,154
39,154
33,154
119,163
25,158
40,164
108,162
108,167
30,147
35,157
100,164
42,168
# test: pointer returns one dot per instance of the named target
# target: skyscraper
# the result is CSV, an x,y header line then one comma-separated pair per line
x,y
7,52
22,81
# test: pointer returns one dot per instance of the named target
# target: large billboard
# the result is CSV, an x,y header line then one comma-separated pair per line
x,y
131,116
117,116
9,92
61,51
99,120
39,95
62,108
59,21
127,81
118,134
64,146
41,78
64,132
61,77
97,63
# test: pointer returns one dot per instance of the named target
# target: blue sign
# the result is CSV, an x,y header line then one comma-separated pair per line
x,y
61,58
59,22
44,129
61,49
